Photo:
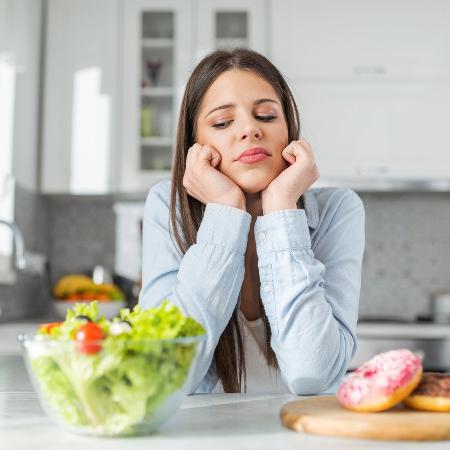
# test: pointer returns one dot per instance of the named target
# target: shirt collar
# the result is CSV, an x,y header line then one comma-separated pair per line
x,y
311,209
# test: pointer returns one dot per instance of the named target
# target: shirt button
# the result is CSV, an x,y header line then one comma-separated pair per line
x,y
266,288
262,235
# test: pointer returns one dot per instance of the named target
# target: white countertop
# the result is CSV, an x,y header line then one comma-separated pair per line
x,y
227,421
220,421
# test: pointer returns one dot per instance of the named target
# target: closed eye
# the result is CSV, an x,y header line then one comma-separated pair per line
x,y
266,118
224,124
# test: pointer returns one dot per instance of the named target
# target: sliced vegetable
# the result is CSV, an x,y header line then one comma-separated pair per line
x,y
47,327
87,338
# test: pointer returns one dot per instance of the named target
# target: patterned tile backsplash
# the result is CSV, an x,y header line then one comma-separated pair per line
x,y
407,256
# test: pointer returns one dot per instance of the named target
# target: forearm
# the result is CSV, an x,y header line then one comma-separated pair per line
x,y
311,307
208,279
313,349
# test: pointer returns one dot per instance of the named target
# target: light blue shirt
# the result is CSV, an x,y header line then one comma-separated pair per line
x,y
309,263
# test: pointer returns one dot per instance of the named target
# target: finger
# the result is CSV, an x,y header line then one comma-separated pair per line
x,y
305,144
192,151
211,155
289,157
194,148
289,154
216,157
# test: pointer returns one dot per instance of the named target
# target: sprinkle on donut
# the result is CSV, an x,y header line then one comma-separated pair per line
x,y
381,382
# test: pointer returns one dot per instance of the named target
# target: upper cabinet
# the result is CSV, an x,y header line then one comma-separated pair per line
x,y
20,52
81,97
371,79
228,24
372,82
163,41
157,56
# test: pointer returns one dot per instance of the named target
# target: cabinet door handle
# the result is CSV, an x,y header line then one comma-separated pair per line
x,y
372,169
369,70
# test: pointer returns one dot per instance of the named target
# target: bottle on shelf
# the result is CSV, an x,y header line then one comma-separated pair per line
x,y
147,120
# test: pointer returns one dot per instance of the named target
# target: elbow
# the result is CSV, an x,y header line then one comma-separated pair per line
x,y
326,375
315,385
307,385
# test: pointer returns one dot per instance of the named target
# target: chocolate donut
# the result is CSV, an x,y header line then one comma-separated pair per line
x,y
431,394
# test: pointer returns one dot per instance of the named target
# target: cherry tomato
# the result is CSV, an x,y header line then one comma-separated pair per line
x,y
47,327
87,337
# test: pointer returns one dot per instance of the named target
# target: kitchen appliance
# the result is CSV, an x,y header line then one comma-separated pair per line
x,y
430,340
440,307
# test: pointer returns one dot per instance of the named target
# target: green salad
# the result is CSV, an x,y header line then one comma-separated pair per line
x,y
112,376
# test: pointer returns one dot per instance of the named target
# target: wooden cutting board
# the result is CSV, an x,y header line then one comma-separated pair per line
x,y
325,416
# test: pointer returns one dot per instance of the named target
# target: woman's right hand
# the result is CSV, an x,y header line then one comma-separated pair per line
x,y
205,183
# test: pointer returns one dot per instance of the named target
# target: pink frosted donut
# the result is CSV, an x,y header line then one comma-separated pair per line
x,y
381,382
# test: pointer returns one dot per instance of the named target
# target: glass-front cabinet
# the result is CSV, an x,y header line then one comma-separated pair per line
x,y
162,42
231,24
157,58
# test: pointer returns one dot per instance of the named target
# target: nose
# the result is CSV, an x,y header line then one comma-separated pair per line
x,y
251,130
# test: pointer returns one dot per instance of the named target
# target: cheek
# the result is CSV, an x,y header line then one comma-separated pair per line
x,y
217,140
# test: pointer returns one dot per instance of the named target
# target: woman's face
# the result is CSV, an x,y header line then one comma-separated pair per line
x,y
241,111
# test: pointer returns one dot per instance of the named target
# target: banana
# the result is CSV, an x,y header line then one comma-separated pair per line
x,y
71,283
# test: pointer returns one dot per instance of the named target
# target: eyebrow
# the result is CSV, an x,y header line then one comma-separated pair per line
x,y
231,105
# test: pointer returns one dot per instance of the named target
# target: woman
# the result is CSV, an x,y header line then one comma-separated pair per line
x,y
270,268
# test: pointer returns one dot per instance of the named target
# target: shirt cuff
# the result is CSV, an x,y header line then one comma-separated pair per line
x,y
282,230
226,226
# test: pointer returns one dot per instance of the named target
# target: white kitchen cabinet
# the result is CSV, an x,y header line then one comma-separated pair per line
x,y
232,23
172,36
372,82
157,57
81,97
20,39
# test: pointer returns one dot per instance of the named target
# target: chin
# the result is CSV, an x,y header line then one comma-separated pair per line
x,y
253,182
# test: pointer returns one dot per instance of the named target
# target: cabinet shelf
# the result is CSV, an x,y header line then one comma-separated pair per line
x,y
159,91
157,141
157,43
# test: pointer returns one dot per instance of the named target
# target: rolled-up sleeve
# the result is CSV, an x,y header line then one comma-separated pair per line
x,y
205,282
311,292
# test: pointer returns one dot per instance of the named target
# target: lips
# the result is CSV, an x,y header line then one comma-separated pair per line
x,y
253,155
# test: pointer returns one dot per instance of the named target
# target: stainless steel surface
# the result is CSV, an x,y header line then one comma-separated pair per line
x,y
384,184
29,262
19,246
101,275
440,307
436,351
430,340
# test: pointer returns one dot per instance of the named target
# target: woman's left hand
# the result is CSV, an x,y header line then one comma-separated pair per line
x,y
285,190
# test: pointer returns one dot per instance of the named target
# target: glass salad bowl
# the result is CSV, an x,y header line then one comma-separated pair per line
x,y
113,378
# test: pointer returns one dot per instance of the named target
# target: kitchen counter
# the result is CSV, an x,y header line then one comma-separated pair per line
x,y
219,421
226,421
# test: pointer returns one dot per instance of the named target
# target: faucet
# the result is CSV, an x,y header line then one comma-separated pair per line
x,y
19,244
26,261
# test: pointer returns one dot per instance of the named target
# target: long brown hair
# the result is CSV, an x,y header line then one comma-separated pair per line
x,y
229,353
